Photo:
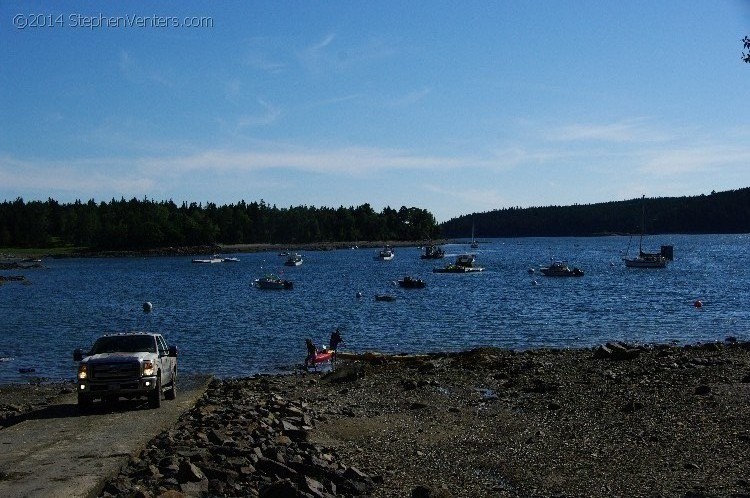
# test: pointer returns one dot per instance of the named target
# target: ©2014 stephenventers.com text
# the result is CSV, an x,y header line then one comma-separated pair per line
x,y
102,21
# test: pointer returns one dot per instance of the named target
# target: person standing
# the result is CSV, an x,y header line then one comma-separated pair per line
x,y
311,351
336,339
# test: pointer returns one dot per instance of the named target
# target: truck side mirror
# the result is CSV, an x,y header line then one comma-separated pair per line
x,y
77,355
173,351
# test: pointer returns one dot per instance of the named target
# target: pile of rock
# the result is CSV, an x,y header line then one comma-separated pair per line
x,y
243,438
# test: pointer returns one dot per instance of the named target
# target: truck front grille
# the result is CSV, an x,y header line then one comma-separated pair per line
x,y
115,371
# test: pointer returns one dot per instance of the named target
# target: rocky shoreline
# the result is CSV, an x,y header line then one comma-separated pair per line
x,y
14,261
616,420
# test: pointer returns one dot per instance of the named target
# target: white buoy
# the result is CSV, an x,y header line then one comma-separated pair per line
x,y
359,294
147,307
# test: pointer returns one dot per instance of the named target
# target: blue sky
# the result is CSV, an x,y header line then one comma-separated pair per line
x,y
454,107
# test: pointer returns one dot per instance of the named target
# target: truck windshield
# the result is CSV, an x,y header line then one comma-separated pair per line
x,y
125,344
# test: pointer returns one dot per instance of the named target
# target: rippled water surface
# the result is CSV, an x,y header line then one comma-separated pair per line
x,y
223,325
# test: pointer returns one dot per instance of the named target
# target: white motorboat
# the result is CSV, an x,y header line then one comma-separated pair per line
x,y
293,260
385,254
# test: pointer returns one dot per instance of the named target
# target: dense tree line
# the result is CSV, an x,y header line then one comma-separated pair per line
x,y
144,224
724,212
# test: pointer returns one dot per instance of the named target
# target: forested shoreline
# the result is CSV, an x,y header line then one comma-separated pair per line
x,y
147,224
718,212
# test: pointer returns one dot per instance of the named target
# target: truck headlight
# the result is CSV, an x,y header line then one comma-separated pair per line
x,y
148,368
83,371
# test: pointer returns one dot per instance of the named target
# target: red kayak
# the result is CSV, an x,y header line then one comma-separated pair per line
x,y
321,356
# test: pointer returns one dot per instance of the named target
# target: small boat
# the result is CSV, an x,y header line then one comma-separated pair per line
x,y
411,283
293,260
213,259
645,259
560,269
474,243
273,282
432,252
385,254
321,356
385,297
231,260
283,254
464,264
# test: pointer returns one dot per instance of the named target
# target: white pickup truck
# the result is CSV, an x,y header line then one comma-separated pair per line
x,y
131,365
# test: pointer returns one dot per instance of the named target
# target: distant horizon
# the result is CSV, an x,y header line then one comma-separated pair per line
x,y
454,108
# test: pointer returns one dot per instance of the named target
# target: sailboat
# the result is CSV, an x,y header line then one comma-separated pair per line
x,y
474,243
645,259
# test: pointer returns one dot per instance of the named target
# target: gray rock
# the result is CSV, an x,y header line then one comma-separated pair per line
x,y
189,472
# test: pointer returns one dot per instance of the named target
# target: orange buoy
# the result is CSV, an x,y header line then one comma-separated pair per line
x,y
698,303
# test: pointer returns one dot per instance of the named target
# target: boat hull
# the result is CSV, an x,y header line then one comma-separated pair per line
x,y
322,356
411,283
458,269
274,284
575,272
645,262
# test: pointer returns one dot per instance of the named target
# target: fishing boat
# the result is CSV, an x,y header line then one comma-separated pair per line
x,y
272,281
385,254
560,269
432,252
464,264
293,260
411,283
645,259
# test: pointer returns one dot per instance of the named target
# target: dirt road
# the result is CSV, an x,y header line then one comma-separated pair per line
x,y
58,452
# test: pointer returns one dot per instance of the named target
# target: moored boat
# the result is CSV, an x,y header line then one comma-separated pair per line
x,y
464,264
213,259
385,254
560,269
411,283
646,259
293,260
273,282
432,252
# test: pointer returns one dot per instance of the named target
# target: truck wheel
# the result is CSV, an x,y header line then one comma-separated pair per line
x,y
84,402
154,398
172,391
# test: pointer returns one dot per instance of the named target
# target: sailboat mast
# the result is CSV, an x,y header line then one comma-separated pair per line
x,y
643,221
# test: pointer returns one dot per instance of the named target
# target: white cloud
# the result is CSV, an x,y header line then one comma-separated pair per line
x,y
93,176
629,130
692,160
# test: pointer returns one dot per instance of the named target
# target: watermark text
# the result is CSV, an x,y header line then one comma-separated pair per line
x,y
103,21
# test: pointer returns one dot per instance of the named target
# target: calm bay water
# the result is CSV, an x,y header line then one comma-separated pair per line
x,y
223,325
